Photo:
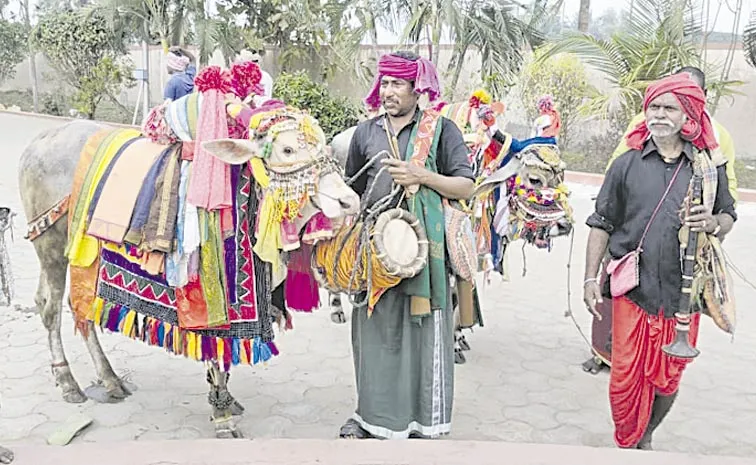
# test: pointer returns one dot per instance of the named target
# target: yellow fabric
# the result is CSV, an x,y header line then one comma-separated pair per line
x,y
726,147
269,232
83,280
191,344
85,249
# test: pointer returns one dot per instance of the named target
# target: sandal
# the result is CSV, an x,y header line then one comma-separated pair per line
x,y
352,430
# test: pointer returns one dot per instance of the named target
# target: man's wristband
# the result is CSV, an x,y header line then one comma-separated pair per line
x,y
590,280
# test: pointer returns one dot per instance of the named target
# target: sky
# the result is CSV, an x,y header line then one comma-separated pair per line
x,y
723,22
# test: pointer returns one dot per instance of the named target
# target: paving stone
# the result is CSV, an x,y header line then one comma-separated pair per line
x,y
522,381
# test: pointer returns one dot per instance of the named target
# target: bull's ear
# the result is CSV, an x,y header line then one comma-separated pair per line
x,y
233,151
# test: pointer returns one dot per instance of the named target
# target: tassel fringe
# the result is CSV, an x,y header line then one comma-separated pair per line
x,y
227,352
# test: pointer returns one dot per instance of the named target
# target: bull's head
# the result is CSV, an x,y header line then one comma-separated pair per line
x,y
532,204
291,147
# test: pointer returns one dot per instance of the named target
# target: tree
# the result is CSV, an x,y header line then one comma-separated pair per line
x,y
584,15
12,48
334,113
564,78
84,52
490,26
657,40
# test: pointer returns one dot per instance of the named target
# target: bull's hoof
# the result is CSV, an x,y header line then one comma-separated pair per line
x,y
338,317
73,395
6,456
237,409
459,357
227,429
110,391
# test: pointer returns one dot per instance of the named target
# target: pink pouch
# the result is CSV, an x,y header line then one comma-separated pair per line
x,y
625,273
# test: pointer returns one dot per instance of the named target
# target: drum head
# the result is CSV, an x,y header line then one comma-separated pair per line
x,y
401,242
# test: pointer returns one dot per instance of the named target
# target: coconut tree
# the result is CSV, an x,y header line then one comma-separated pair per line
x,y
657,39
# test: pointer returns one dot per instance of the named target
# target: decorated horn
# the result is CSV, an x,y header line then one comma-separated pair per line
x,y
681,347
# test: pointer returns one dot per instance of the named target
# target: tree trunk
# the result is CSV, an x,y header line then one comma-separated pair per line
x,y
32,57
584,15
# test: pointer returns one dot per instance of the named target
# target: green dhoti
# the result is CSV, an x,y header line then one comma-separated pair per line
x,y
404,369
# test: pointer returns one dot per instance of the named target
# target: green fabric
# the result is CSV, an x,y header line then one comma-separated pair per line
x,y
432,282
211,272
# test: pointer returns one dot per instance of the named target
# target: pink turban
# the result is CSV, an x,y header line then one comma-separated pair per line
x,y
176,63
421,71
697,128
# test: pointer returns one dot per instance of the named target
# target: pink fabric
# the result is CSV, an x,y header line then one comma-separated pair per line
x,y
176,63
210,184
421,71
698,129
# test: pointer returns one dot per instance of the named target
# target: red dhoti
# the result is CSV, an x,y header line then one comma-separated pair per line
x,y
640,369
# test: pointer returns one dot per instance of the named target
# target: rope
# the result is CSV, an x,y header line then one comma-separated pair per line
x,y
350,262
568,312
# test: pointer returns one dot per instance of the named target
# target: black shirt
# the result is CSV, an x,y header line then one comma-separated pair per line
x,y
370,138
632,188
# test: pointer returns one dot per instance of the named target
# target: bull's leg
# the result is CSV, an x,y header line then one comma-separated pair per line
x,y
237,408
49,301
221,401
115,386
337,312
6,456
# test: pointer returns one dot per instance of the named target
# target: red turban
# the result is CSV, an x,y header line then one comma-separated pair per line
x,y
421,71
697,128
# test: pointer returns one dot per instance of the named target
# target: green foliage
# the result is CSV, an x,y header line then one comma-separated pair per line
x,y
564,78
13,48
334,114
299,28
84,52
656,40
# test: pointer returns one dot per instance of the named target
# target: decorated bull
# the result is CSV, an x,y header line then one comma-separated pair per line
x,y
178,234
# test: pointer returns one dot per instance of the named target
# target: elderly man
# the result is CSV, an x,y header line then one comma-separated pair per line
x,y
726,154
726,145
181,67
403,352
640,203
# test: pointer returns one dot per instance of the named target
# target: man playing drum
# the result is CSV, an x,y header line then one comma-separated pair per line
x,y
403,351
640,202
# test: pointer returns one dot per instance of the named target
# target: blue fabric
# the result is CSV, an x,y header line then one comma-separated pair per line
x,y
180,84
520,145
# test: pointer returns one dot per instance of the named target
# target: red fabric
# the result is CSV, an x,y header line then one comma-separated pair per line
x,y
555,126
697,129
421,71
639,367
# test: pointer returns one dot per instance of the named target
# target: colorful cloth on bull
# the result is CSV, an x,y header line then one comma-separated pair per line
x,y
144,305
82,249
111,212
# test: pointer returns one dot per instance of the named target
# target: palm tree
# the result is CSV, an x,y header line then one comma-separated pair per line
x,y
749,40
584,15
490,26
657,39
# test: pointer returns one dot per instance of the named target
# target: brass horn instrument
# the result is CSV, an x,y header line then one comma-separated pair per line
x,y
681,347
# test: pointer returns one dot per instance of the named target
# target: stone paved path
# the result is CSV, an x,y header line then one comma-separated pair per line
x,y
522,383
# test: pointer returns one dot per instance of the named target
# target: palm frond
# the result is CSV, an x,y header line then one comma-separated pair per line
x,y
604,55
749,40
